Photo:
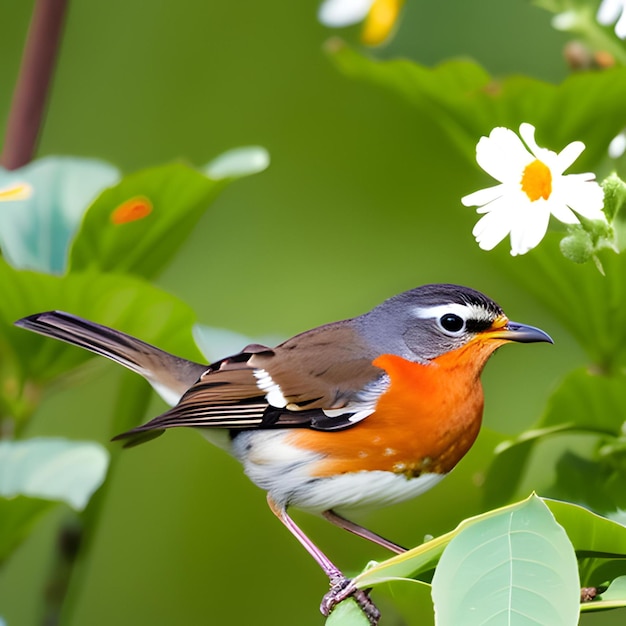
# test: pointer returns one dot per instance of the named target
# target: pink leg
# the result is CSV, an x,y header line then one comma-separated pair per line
x,y
340,587
351,527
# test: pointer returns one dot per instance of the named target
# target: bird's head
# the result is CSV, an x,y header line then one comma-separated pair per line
x,y
428,322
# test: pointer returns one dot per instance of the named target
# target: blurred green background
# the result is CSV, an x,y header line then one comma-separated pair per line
x,y
362,200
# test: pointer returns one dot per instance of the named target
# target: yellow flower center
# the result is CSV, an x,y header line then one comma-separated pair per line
x,y
537,180
380,21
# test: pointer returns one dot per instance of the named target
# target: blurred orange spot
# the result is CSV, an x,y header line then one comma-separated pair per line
x,y
604,59
131,210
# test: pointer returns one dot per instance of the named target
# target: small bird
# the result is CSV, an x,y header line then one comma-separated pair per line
x,y
356,414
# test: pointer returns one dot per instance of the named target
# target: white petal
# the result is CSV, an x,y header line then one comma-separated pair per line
x,y
529,228
560,210
609,11
565,21
483,196
620,27
493,227
617,146
502,155
338,13
527,132
568,155
584,196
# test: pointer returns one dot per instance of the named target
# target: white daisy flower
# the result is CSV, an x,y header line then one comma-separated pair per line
x,y
379,17
532,187
613,12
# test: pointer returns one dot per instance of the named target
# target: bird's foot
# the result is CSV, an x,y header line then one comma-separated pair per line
x,y
343,588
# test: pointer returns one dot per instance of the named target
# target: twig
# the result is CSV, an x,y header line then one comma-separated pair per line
x,y
33,83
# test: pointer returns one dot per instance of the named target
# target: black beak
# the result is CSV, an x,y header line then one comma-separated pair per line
x,y
522,333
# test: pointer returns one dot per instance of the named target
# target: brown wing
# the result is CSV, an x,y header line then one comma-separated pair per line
x,y
323,369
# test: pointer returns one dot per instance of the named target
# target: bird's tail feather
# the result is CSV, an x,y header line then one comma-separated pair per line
x,y
170,375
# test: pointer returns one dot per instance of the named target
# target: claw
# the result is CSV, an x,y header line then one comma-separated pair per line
x,y
343,588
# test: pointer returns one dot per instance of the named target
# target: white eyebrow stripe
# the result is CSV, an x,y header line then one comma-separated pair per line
x,y
464,311
436,311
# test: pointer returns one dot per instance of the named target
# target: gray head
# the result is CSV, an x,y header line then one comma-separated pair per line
x,y
426,322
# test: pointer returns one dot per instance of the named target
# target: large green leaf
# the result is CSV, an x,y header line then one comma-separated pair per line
x,y
17,516
591,535
515,567
347,613
138,225
584,403
52,469
38,473
35,233
600,546
419,559
467,102
128,303
591,306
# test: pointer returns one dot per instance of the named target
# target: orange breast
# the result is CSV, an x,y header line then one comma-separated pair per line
x,y
425,422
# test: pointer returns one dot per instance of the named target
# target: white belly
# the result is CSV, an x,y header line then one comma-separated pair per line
x,y
285,473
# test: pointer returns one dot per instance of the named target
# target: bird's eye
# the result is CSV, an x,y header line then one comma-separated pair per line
x,y
452,323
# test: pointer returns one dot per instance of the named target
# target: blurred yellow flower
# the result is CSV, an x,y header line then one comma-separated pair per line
x,y
532,188
379,17
16,191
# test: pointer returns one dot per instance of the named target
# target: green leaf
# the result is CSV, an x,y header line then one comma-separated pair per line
x,y
124,302
419,559
35,233
216,343
597,541
138,225
238,162
591,479
583,403
52,469
514,567
17,516
591,534
613,598
589,305
411,600
36,474
347,613
467,102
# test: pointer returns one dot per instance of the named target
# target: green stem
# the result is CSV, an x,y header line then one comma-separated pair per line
x,y
33,83
66,551
131,404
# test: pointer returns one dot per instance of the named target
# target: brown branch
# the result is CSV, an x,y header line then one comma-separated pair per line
x,y
33,83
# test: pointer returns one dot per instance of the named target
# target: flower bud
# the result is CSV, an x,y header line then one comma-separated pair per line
x,y
577,246
614,196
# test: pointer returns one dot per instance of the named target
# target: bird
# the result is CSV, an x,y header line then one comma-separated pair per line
x,y
352,415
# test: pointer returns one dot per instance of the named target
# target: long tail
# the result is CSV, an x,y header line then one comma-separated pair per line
x,y
170,375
